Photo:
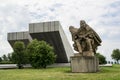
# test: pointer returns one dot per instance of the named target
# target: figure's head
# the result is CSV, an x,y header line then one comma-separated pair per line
x,y
71,27
82,23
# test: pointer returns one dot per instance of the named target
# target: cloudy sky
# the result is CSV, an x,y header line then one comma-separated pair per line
x,y
102,15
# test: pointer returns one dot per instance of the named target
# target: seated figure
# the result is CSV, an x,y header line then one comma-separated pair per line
x,y
85,38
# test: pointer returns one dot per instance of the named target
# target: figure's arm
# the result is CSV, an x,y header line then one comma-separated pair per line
x,y
89,34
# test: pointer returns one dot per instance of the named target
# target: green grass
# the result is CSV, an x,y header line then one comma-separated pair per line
x,y
62,73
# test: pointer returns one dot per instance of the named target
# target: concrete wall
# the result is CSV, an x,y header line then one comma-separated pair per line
x,y
18,36
43,27
66,44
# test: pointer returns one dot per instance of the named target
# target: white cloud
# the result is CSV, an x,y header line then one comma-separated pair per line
x,y
100,15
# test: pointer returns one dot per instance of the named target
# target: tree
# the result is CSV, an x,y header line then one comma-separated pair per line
x,y
111,62
115,62
18,56
0,59
116,55
108,62
9,56
102,59
40,54
5,58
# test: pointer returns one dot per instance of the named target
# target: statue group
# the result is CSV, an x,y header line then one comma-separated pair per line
x,y
86,40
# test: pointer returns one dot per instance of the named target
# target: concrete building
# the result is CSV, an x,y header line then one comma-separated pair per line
x,y
50,32
19,36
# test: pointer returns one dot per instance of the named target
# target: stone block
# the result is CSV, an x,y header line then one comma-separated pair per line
x,y
84,64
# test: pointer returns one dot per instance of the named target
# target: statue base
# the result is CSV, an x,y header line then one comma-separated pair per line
x,y
85,53
84,64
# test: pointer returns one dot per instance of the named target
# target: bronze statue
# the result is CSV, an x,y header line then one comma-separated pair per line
x,y
85,39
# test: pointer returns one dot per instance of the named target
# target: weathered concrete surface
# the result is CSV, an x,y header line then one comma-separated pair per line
x,y
52,33
19,36
7,66
84,64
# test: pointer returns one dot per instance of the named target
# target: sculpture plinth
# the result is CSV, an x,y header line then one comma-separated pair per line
x,y
84,64
85,53
86,41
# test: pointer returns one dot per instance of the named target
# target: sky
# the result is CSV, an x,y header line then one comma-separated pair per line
x,y
102,15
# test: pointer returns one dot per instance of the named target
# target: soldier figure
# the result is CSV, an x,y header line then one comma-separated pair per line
x,y
85,38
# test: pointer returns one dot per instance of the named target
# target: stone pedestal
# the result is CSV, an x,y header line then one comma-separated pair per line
x,y
84,64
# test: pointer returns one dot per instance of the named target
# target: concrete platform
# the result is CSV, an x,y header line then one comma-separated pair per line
x,y
84,64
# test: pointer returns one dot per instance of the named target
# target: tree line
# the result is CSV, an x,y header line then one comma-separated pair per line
x,y
6,59
37,53
115,55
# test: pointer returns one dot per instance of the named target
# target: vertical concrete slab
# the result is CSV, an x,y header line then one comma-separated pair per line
x,y
66,44
14,36
31,28
41,27
36,27
52,26
25,35
19,35
46,27
56,25
9,36
49,26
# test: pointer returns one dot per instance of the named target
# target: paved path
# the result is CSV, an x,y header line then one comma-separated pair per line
x,y
5,66
12,66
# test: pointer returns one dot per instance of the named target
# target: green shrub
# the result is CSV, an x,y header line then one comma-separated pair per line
x,y
102,59
116,55
18,56
0,59
40,54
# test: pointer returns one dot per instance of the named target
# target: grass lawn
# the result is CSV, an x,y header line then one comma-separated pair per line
x,y
61,73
